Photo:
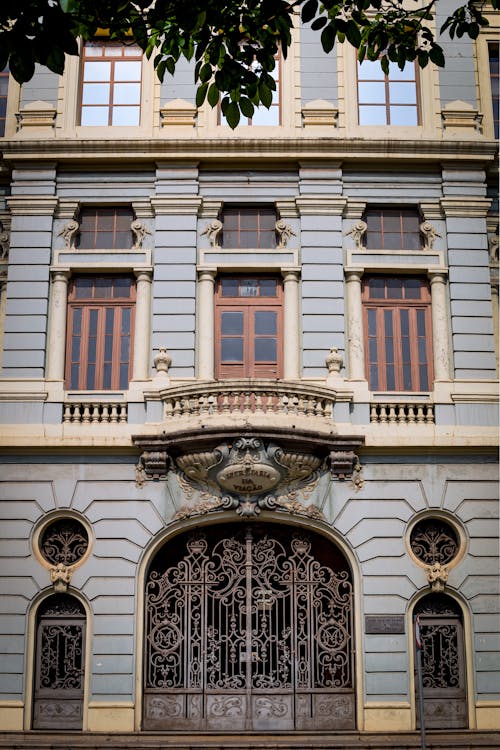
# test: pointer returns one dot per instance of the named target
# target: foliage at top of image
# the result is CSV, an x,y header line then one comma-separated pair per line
x,y
234,43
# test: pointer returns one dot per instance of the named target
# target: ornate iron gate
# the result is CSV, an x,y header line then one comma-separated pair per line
x,y
249,630
59,665
443,667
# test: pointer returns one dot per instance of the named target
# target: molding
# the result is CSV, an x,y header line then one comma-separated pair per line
x,y
314,205
466,207
320,113
11,716
32,205
461,119
178,113
104,716
29,396
176,204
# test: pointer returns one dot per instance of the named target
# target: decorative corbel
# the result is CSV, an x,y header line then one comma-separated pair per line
x,y
492,248
213,230
69,232
342,464
60,576
139,230
156,464
437,575
4,242
358,232
429,235
283,233
162,362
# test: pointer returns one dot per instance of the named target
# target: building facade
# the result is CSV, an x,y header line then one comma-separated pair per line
x,y
249,400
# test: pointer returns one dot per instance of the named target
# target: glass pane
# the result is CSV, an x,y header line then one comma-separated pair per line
x,y
248,240
229,237
371,93
94,116
97,71
74,376
424,378
129,70
373,240
372,115
265,322
388,328
402,93
131,50
83,288
77,320
90,380
103,240
122,287
421,322
422,350
95,93
374,378
232,350
263,116
113,49
127,93
126,116
404,116
249,288
94,315
392,241
125,349
394,288
248,218
412,288
407,384
412,241
376,288
267,217
106,375
103,287
75,348
92,347
229,287
407,74
232,323
371,70
124,376
110,319
125,329
389,374
268,287
405,328
372,349
105,219
372,323
392,221
265,350
267,239
373,220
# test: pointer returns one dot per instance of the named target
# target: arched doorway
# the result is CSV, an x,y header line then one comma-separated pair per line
x,y
443,662
59,663
249,627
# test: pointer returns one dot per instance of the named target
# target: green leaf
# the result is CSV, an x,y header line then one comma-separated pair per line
x,y
205,73
232,114
328,36
201,93
437,56
266,95
213,95
246,106
318,23
309,10
353,34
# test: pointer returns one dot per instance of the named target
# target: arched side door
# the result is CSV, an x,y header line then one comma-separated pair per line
x,y
249,628
443,662
59,664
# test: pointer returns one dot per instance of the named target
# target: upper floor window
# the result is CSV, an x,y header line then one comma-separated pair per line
x,y
387,99
393,229
249,227
105,228
249,336
397,321
111,83
262,115
4,87
100,329
493,55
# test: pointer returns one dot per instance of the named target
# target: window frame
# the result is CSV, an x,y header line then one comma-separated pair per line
x,y
238,210
395,306
88,209
106,42
248,305
101,305
385,212
387,99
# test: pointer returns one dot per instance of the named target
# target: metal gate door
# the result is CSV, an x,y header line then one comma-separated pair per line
x,y
249,630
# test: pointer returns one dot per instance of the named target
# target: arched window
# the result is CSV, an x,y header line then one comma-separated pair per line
x,y
59,663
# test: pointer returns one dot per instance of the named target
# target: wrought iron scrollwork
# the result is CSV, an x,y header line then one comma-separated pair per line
x,y
434,541
64,542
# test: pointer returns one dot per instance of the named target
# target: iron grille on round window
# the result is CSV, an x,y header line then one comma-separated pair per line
x,y
64,541
434,541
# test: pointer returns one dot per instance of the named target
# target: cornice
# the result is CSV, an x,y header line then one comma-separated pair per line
x,y
241,149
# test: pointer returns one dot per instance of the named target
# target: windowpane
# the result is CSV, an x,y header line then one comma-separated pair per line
x,y
232,350
371,93
268,288
125,116
265,350
407,74
232,323
265,322
98,227
400,229
129,70
387,99
249,227
229,287
94,116
371,70
249,288
404,116
372,115
263,116
402,93
97,71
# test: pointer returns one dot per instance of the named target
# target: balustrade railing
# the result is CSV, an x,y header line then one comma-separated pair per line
x,y
95,413
402,413
244,398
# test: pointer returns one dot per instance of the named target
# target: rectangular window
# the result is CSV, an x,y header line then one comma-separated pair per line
x,y
393,229
397,320
105,228
262,115
111,84
4,87
493,53
249,227
248,315
100,330
387,99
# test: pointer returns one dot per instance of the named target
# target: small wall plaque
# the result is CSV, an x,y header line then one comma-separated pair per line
x,y
384,625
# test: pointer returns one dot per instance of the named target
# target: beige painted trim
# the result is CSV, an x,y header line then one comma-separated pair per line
x,y
13,106
488,715
468,647
482,68
110,716
11,716
175,528
29,679
390,716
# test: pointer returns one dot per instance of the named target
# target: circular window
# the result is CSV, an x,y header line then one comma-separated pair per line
x,y
433,540
65,541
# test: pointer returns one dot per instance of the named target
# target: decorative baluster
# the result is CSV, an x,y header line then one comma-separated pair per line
x,y
247,401
301,407
373,413
284,404
392,412
211,403
86,414
429,417
383,413
411,413
114,413
123,412
258,406
105,413
67,413
294,402
224,407
319,411
401,414
168,408
420,413
310,407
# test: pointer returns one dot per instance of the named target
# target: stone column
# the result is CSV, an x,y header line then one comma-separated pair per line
x,y
56,349
291,364
142,331
355,338
440,341
496,327
206,322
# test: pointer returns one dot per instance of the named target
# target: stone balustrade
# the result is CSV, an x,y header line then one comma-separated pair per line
x,y
243,397
402,413
89,412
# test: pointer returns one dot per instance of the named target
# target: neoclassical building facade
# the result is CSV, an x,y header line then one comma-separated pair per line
x,y
249,402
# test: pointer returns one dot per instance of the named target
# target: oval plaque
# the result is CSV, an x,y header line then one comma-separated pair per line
x,y
248,480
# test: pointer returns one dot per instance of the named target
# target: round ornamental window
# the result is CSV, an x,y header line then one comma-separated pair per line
x,y
65,541
434,541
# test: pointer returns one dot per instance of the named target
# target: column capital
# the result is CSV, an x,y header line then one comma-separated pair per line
x,y
290,274
437,277
210,208
60,274
143,274
354,209
353,274
176,204
320,205
32,205
207,274
466,207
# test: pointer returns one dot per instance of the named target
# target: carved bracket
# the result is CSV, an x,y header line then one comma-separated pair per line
x,y
343,464
155,464
60,576
437,575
